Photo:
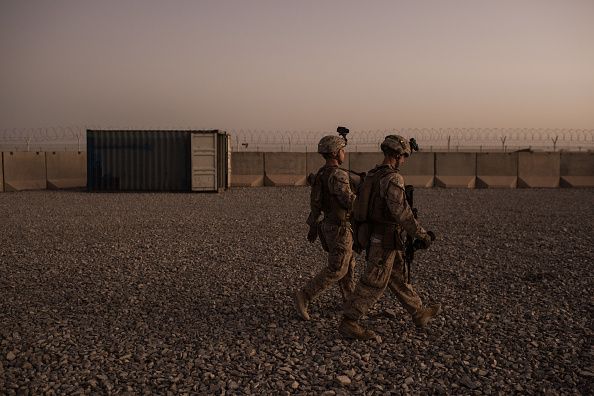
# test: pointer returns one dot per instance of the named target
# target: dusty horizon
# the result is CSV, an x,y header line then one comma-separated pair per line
x,y
270,65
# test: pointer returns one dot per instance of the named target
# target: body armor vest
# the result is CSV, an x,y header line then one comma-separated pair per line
x,y
333,211
378,210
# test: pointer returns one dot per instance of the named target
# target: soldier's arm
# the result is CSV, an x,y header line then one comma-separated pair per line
x,y
399,208
315,205
340,187
313,218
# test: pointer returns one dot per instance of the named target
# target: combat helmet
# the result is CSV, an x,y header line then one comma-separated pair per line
x,y
330,144
397,144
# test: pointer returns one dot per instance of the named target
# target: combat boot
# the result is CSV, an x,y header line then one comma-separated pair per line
x,y
351,329
301,304
424,315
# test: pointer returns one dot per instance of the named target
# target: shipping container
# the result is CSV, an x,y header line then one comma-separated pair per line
x,y
157,160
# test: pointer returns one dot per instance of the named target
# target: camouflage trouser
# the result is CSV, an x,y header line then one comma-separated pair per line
x,y
341,262
384,268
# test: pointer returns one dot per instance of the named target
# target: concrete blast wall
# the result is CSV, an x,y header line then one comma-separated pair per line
x,y
24,171
314,161
418,169
577,170
34,171
247,169
538,170
1,172
455,170
66,169
285,169
363,162
497,170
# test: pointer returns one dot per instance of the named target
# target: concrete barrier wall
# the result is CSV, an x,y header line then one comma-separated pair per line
x,y
455,170
315,161
24,171
496,170
538,170
285,169
577,170
1,172
461,170
363,162
418,169
247,169
66,169
39,170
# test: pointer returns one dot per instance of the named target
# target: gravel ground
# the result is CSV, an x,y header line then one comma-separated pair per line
x,y
192,293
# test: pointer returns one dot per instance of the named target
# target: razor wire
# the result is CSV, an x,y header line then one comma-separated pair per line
x,y
30,139
429,139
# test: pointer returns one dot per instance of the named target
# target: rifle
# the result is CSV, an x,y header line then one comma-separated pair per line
x,y
411,245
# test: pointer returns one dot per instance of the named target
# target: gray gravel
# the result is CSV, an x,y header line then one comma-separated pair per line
x,y
191,293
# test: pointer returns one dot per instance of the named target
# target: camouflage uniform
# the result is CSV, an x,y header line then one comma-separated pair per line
x,y
331,201
385,261
335,233
390,217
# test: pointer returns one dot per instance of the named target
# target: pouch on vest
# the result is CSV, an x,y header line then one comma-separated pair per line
x,y
391,239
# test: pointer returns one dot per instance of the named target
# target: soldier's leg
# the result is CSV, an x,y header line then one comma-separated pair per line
x,y
339,239
407,295
369,289
373,281
404,292
347,282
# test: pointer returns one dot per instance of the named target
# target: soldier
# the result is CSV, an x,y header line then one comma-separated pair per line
x,y
389,215
331,196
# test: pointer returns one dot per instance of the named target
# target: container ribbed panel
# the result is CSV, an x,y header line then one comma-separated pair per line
x,y
138,160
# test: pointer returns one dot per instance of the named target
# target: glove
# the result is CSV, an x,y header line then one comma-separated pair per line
x,y
425,242
312,235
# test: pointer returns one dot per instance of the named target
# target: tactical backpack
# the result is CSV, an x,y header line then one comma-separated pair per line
x,y
363,209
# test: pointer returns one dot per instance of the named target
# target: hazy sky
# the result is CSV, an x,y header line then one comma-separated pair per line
x,y
297,64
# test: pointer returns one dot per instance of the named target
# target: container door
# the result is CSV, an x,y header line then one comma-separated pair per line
x,y
222,161
229,170
1,172
204,161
